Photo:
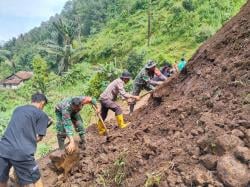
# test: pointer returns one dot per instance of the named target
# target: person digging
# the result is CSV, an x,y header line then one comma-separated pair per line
x,y
68,117
145,80
108,98
28,126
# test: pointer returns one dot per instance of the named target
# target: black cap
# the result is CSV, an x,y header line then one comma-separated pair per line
x,y
126,75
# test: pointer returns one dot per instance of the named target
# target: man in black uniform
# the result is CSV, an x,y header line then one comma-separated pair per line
x,y
27,126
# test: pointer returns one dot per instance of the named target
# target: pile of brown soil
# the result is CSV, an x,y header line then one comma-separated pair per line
x,y
195,131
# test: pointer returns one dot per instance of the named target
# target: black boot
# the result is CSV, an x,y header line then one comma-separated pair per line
x,y
60,140
131,109
82,142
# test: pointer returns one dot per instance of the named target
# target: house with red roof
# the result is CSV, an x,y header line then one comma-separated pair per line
x,y
14,81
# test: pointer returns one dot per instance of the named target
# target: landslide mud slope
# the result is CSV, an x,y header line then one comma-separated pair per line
x,y
195,131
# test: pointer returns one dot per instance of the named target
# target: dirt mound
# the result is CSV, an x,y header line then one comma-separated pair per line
x,y
195,130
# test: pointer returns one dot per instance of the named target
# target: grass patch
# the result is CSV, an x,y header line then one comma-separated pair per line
x,y
116,174
153,179
43,149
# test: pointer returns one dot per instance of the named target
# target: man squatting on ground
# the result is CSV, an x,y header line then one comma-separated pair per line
x,y
27,126
67,117
145,80
108,98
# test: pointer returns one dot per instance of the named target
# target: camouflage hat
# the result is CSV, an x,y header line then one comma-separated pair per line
x,y
150,64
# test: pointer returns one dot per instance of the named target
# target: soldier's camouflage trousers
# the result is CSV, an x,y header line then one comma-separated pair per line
x,y
62,129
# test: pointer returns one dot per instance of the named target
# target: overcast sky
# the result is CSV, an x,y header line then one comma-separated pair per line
x,y
19,16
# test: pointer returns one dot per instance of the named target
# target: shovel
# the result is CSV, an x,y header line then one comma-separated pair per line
x,y
146,93
132,101
100,118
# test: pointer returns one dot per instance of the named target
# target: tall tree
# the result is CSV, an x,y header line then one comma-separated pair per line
x,y
40,68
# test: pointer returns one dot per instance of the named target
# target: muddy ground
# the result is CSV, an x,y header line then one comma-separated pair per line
x,y
194,131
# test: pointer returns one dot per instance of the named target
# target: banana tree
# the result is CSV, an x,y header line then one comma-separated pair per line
x,y
61,45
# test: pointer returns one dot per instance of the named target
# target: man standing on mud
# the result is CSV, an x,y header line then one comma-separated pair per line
x,y
108,98
144,80
27,126
68,116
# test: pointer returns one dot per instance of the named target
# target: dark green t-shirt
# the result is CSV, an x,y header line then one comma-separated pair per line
x,y
19,140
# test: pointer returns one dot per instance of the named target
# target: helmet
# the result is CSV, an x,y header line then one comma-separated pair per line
x,y
126,75
150,64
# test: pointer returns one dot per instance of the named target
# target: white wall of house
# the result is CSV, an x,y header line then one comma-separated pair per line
x,y
11,86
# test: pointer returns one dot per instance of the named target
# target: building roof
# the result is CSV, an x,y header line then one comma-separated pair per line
x,y
12,80
24,75
17,78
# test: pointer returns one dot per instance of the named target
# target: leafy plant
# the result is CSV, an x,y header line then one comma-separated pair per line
x,y
153,180
116,174
134,63
188,5
204,34
40,79
105,74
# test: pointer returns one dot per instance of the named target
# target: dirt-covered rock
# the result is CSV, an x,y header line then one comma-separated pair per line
x,y
209,161
248,137
232,172
226,143
238,133
242,153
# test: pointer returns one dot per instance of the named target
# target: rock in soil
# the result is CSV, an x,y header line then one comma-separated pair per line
x,y
209,161
238,133
248,137
226,143
243,154
232,172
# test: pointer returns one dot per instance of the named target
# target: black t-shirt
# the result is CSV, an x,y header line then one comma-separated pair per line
x,y
19,140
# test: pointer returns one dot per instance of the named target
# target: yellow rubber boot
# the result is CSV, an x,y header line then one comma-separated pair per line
x,y
120,121
101,128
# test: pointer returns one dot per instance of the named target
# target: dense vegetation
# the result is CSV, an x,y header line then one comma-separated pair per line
x,y
80,50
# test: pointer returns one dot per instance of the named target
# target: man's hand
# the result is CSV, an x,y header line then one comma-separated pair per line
x,y
137,98
71,147
159,82
39,138
97,110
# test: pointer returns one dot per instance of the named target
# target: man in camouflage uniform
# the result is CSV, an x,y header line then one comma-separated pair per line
x,y
144,80
67,116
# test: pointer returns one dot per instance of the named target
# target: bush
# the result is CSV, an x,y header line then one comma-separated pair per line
x,y
134,63
96,85
204,34
188,5
3,125
176,9
78,72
